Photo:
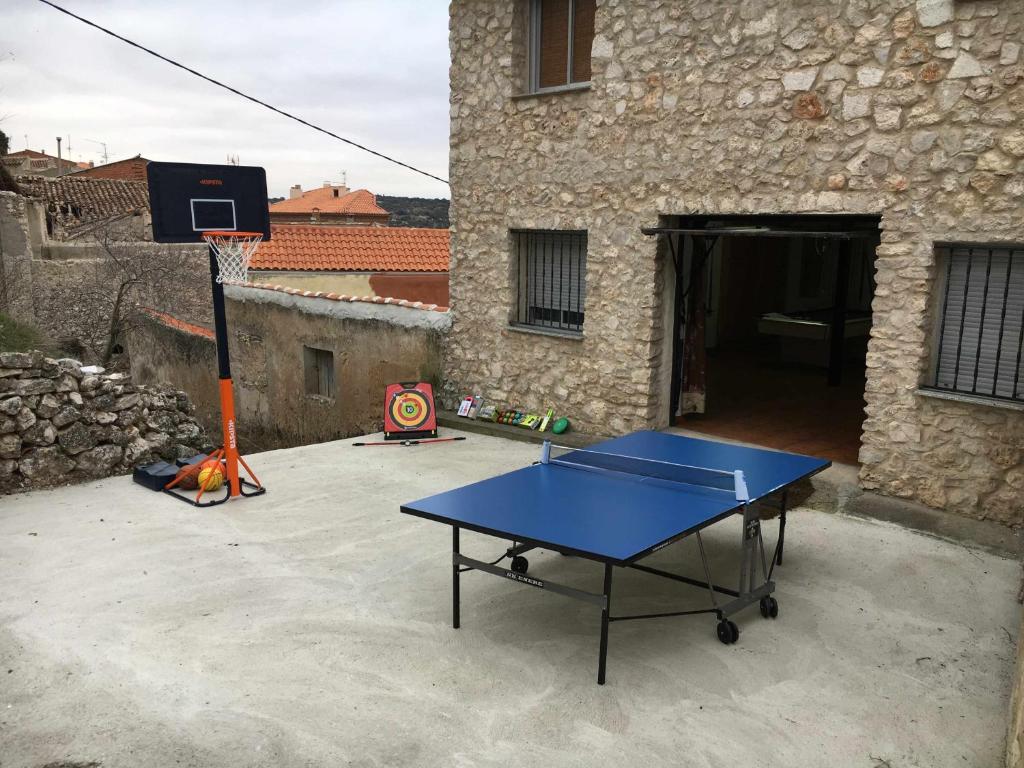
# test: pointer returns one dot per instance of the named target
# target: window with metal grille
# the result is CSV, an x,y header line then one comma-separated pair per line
x,y
561,35
318,366
981,322
551,285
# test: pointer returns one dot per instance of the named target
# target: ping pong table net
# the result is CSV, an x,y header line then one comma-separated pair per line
x,y
703,479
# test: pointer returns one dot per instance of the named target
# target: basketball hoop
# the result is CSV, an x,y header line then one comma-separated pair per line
x,y
233,251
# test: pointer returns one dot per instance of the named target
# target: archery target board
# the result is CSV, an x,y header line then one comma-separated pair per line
x,y
409,411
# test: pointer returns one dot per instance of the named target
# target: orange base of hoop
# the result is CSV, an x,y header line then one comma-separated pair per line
x,y
232,486
226,456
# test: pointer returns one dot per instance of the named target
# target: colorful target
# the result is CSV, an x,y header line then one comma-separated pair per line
x,y
409,411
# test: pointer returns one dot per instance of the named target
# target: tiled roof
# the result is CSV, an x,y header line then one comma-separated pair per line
x,y
342,297
319,248
76,201
31,153
37,161
173,322
358,203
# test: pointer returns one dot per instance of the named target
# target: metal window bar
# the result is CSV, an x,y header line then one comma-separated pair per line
x,y
981,326
963,318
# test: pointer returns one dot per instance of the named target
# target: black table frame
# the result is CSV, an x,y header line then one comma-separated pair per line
x,y
750,591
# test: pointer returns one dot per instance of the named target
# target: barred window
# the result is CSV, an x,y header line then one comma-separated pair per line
x,y
981,325
551,285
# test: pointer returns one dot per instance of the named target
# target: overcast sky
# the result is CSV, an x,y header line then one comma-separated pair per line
x,y
374,71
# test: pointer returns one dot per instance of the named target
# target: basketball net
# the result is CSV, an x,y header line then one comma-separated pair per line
x,y
233,251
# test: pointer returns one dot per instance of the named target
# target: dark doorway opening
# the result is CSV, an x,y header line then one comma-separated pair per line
x,y
771,319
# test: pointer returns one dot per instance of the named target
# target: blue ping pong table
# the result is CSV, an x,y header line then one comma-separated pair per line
x,y
618,502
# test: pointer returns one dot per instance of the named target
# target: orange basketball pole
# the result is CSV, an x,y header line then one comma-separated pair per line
x,y
227,396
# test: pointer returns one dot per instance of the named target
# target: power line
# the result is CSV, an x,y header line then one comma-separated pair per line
x,y
237,92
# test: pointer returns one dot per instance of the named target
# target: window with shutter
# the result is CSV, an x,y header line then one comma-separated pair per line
x,y
981,325
318,367
561,34
551,288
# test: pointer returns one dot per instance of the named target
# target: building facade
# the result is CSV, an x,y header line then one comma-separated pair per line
x,y
901,121
130,169
28,162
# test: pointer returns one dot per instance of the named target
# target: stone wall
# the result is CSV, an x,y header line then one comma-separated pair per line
x,y
165,351
74,296
68,289
16,254
907,110
60,425
373,344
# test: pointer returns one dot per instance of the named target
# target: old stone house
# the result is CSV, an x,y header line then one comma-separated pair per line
x,y
73,207
795,223
29,161
333,204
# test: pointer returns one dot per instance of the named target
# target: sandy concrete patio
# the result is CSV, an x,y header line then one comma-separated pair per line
x,y
311,627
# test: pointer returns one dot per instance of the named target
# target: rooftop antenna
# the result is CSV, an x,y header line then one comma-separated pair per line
x,y
232,159
344,177
106,157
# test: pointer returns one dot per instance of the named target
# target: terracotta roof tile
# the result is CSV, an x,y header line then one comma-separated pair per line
x,y
342,297
360,202
320,248
173,322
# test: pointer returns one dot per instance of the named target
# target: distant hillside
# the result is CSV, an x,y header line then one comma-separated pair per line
x,y
415,211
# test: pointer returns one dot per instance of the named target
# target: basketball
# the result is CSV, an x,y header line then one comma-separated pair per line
x,y
187,480
211,476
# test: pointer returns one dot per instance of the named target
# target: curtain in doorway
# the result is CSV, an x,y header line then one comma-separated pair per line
x,y
693,379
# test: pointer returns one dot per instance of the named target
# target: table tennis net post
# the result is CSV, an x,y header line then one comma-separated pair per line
x,y
704,478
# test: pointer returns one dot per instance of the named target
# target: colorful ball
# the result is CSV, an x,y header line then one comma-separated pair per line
x,y
211,476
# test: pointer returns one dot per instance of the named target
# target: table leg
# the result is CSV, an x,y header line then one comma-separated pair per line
x,y
782,527
455,577
605,612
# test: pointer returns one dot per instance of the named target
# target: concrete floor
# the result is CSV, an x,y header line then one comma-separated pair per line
x,y
310,627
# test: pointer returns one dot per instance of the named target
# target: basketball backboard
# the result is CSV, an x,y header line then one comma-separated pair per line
x,y
188,199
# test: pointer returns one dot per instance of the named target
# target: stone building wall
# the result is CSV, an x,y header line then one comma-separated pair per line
x,y
373,344
166,351
60,425
67,288
73,296
907,110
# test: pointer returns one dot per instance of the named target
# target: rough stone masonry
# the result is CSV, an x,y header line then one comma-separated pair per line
x,y
59,424
908,110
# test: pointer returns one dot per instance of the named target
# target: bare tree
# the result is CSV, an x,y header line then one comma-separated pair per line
x,y
124,277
